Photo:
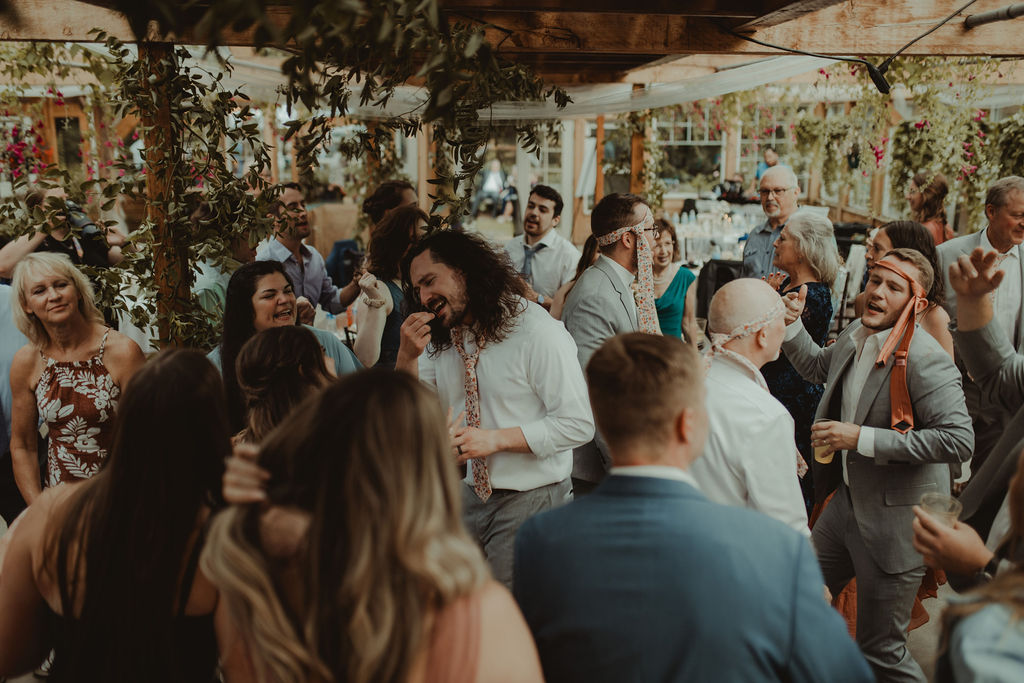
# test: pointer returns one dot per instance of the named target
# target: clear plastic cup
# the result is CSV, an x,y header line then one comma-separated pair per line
x,y
944,508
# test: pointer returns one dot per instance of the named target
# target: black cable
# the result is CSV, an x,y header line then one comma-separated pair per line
x,y
884,66
877,73
873,71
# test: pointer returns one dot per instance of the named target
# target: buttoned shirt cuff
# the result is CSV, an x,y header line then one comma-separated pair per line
x,y
793,329
866,442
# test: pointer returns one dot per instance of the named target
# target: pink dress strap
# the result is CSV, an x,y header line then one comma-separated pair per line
x,y
455,642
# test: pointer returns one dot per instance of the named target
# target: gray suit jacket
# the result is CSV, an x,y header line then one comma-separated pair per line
x,y
599,306
905,466
999,374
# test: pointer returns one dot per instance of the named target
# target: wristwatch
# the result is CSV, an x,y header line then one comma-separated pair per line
x,y
540,299
988,572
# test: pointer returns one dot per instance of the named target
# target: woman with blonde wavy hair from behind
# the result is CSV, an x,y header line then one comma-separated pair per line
x,y
354,565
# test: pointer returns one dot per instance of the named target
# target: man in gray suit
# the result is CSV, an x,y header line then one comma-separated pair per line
x,y
602,305
896,425
1004,208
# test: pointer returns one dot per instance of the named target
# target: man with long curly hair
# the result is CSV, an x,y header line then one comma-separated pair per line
x,y
505,366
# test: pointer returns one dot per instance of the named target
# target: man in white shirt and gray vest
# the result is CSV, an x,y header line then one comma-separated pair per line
x,y
750,459
511,369
544,259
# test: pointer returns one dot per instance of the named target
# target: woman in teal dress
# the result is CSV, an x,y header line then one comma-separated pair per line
x,y
676,301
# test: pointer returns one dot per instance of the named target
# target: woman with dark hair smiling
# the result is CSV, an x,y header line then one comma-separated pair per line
x,y
260,297
380,313
676,300
105,571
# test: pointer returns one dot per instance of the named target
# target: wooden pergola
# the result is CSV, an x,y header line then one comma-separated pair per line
x,y
570,42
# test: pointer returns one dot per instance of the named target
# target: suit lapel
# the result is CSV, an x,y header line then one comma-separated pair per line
x,y
625,292
842,365
872,386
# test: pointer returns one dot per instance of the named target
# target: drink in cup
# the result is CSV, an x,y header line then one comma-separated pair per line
x,y
944,508
821,453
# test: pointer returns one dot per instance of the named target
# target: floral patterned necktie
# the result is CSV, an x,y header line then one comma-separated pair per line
x,y
481,480
646,313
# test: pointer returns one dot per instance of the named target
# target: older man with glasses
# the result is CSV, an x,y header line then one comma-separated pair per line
x,y
779,194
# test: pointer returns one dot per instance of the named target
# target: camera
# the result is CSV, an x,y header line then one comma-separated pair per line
x,y
79,220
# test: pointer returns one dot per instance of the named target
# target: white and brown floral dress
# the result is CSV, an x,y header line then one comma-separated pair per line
x,y
77,400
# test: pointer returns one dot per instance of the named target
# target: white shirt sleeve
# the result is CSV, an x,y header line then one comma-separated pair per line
x,y
428,369
557,380
793,329
772,485
866,442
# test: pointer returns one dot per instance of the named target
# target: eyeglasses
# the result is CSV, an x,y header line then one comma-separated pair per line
x,y
655,230
777,191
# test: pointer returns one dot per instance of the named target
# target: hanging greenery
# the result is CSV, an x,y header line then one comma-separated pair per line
x,y
208,125
362,51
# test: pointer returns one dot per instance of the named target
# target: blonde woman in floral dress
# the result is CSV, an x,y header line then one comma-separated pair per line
x,y
69,376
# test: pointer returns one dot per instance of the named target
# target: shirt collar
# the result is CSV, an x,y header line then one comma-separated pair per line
x,y
546,240
623,273
657,472
986,246
279,252
863,336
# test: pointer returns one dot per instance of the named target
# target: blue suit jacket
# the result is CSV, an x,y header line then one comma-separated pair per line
x,y
647,580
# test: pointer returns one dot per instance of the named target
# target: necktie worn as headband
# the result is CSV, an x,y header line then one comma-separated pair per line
x,y
902,334
646,314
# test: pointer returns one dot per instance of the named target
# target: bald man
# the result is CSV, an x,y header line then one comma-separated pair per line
x,y
750,459
780,193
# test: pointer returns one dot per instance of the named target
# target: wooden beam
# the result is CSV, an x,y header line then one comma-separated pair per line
x,y
788,11
741,9
868,27
70,20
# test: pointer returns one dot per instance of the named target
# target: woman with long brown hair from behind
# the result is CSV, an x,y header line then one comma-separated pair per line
x,y
277,369
357,567
104,571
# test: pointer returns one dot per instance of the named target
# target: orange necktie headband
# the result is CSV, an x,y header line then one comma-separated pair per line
x,y
902,334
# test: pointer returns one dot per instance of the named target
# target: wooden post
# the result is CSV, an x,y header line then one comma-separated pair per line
x,y
599,162
170,255
636,155
423,166
271,140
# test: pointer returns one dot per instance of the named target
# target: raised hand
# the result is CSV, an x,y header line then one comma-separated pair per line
x,y
775,279
305,311
976,275
415,335
244,479
795,303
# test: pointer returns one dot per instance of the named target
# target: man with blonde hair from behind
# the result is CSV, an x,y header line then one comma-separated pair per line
x,y
645,579
751,459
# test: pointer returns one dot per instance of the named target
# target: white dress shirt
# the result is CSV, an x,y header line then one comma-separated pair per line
x,y
750,456
655,472
530,380
553,266
1006,302
868,344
